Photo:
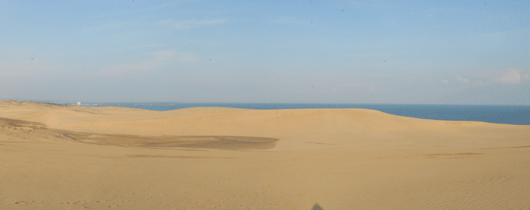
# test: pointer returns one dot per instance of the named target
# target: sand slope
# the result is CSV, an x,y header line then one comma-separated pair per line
x,y
60,157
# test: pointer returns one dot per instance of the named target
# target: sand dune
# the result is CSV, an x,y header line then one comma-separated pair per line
x,y
65,157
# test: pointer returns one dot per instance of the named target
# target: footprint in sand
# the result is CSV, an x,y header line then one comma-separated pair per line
x,y
21,202
113,205
102,201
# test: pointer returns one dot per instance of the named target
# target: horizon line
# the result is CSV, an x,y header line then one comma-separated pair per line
x,y
175,102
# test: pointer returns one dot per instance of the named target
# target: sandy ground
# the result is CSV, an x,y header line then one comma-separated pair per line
x,y
62,157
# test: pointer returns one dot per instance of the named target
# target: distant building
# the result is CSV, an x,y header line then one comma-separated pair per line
x,y
79,103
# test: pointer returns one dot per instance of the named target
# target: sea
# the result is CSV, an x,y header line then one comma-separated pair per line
x,y
505,114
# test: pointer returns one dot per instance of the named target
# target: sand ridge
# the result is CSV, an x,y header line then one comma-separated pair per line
x,y
346,128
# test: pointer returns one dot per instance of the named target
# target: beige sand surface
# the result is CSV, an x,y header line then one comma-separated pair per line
x,y
64,157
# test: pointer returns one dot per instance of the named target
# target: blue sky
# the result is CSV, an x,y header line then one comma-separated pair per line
x,y
427,52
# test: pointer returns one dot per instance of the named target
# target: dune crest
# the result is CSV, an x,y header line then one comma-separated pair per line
x,y
298,128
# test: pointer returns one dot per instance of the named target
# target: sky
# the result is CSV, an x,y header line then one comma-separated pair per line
x,y
311,51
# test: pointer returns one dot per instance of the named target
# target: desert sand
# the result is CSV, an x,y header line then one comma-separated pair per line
x,y
67,157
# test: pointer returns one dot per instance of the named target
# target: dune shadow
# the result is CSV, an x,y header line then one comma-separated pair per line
x,y
204,142
5,122
196,142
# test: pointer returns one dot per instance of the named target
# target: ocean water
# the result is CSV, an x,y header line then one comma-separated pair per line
x,y
506,114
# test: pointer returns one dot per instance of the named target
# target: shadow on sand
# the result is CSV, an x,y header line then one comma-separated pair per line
x,y
317,207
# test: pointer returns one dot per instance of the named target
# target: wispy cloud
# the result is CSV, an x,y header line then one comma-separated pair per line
x,y
506,76
462,79
511,76
444,81
198,23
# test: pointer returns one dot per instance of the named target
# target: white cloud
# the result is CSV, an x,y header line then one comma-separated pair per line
x,y
510,76
197,23
444,81
506,76
462,79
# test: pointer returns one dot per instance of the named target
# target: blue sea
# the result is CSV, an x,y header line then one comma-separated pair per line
x,y
506,114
